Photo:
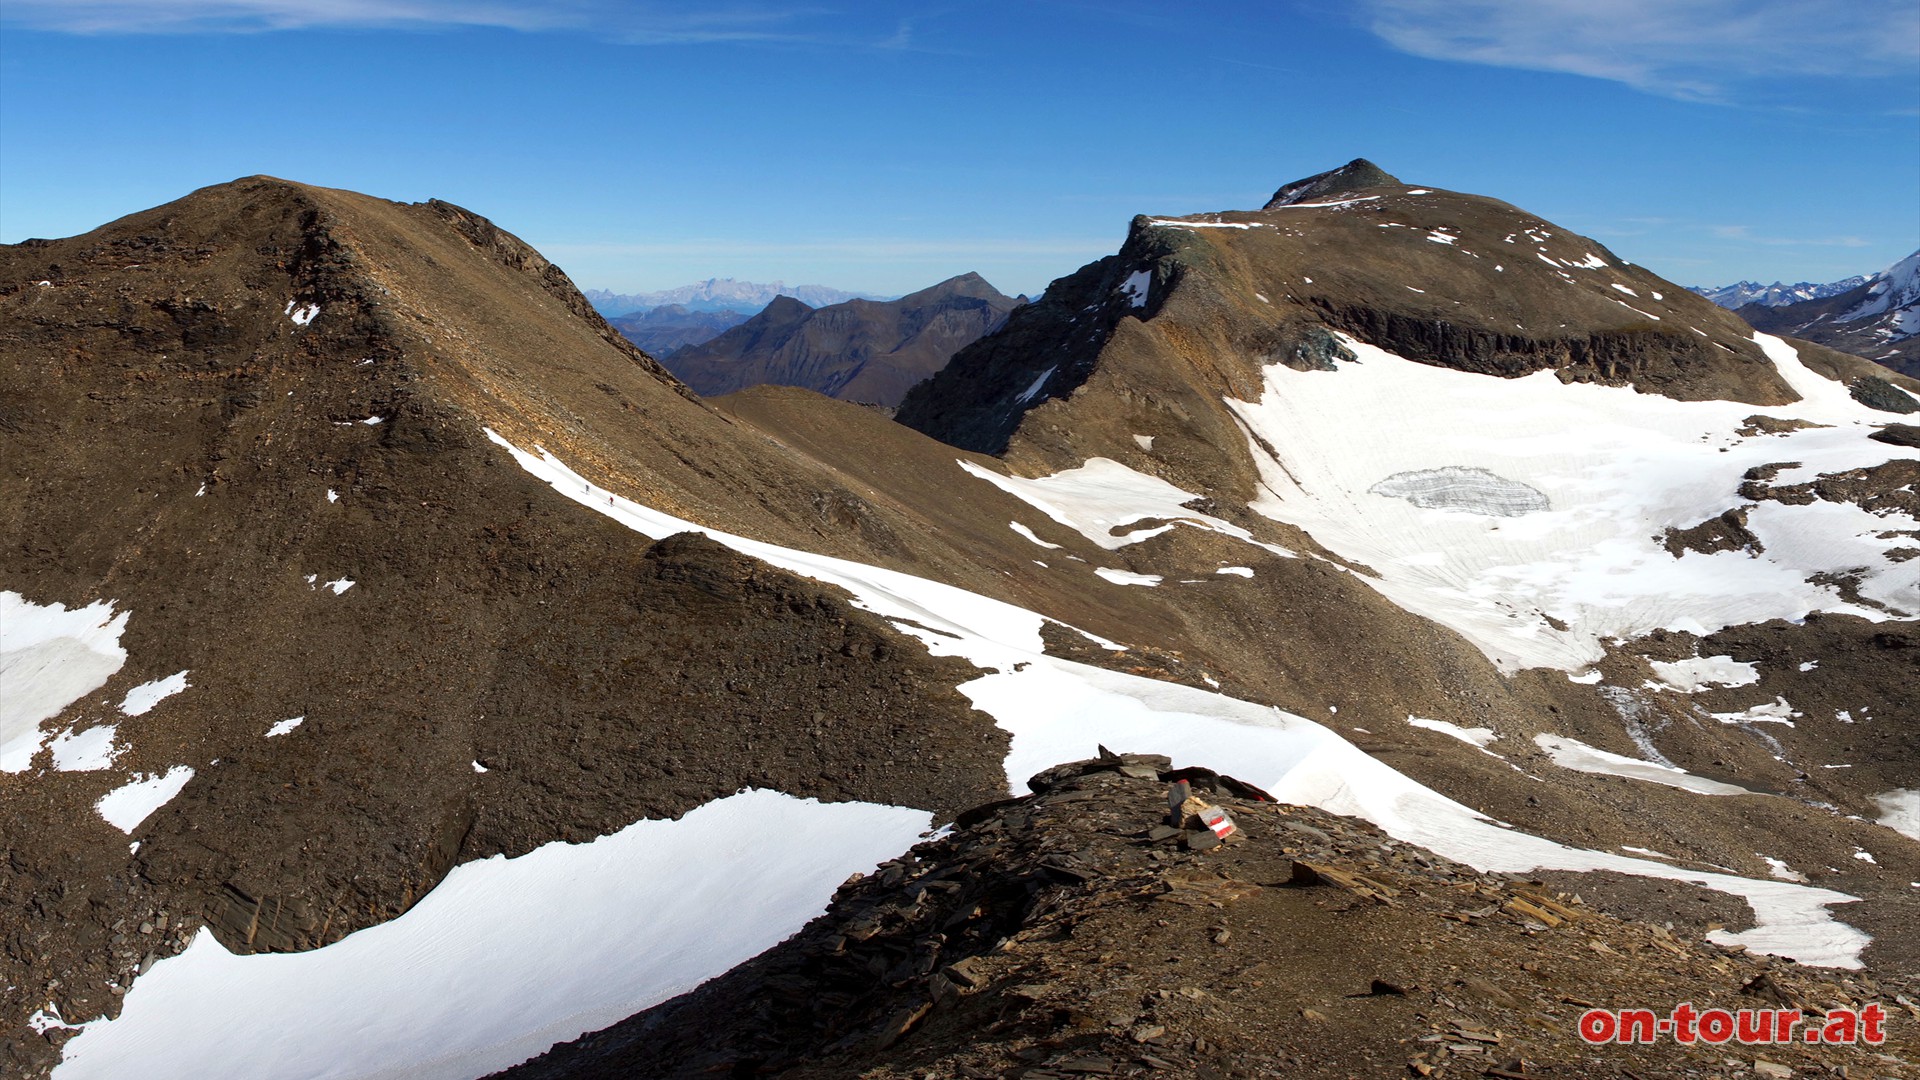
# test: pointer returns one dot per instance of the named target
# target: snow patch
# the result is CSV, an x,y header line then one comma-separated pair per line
x,y
50,657
127,806
141,699
1039,381
1135,287
1027,534
1327,205
1779,868
1477,736
1698,673
1578,756
89,751
340,585
1057,710
1125,577
1236,571
1145,441
1104,495
303,314
1900,811
284,727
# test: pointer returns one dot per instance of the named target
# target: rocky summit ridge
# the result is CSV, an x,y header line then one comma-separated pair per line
x,y
360,561
1356,175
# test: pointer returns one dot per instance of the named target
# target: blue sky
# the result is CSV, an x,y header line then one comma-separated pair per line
x,y
883,147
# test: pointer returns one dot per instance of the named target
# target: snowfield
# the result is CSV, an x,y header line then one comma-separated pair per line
x,y
506,956
1466,546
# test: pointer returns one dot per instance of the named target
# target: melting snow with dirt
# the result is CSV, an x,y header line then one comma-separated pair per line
x,y
1578,756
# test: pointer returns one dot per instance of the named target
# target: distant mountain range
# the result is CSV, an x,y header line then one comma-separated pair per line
x,y
720,294
1878,317
861,350
663,329
1741,293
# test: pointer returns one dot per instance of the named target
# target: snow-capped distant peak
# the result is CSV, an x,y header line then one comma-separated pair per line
x,y
1895,289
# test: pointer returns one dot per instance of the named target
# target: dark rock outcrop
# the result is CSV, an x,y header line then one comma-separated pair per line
x,y
1356,175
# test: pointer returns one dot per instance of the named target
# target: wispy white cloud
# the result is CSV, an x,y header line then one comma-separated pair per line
x,y
1745,234
1690,49
635,23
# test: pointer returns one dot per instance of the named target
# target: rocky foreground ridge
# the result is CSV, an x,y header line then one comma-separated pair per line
x,y
1073,932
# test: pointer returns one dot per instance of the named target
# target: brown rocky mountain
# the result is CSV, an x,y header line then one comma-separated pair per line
x,y
1325,496
1383,263
868,351
1879,320
658,331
